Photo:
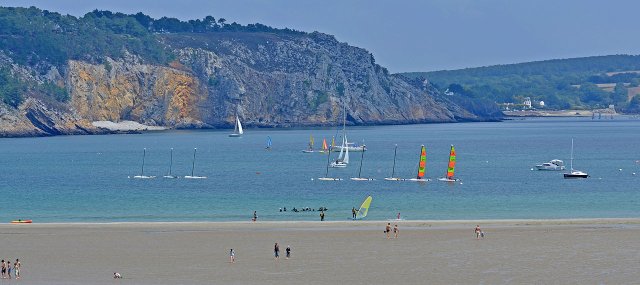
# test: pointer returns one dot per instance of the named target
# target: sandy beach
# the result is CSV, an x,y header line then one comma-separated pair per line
x,y
593,251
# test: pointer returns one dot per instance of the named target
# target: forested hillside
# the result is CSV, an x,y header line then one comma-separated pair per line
x,y
580,83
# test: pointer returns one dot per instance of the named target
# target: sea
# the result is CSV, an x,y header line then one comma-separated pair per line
x,y
88,178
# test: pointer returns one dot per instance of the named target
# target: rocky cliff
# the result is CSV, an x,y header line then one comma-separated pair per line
x,y
268,79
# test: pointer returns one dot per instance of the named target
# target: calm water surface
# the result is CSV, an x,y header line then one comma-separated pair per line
x,y
85,178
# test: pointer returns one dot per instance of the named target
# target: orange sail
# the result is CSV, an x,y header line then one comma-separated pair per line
x,y
423,162
452,163
324,145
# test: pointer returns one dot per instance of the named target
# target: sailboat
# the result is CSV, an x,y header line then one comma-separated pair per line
x,y
269,143
346,144
343,157
169,175
574,173
359,178
364,209
142,176
451,168
393,170
422,166
237,129
326,174
193,166
310,147
325,148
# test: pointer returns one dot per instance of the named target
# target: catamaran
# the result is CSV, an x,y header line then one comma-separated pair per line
x,y
237,129
325,148
343,157
364,209
326,174
310,147
451,168
142,176
169,175
269,143
422,166
574,173
359,178
193,166
393,170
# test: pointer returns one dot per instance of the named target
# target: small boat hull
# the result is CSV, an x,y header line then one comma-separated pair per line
x,y
22,222
329,179
394,179
338,165
170,177
195,177
418,179
361,179
143,177
575,176
308,151
445,179
234,135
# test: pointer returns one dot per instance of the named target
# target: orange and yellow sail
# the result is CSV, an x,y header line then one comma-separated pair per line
x,y
452,163
423,162
324,145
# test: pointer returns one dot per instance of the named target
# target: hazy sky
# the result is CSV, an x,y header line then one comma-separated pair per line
x,y
419,35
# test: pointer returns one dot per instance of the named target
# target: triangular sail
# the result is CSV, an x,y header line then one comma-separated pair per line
x,y
423,162
364,208
452,163
346,152
269,142
239,125
324,145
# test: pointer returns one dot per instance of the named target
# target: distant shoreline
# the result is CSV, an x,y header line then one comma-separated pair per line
x,y
559,113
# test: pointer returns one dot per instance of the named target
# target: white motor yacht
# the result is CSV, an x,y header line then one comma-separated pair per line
x,y
555,164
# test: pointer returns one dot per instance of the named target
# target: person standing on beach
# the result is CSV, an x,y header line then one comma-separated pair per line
x,y
9,269
478,231
321,216
276,251
395,231
353,213
4,269
232,256
387,230
288,251
16,267
255,216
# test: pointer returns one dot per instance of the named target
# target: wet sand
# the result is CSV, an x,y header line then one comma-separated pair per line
x,y
595,251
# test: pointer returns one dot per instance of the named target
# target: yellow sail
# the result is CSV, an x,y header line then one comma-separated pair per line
x,y
423,163
452,163
364,208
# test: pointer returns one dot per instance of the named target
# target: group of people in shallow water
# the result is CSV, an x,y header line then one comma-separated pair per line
x,y
8,269
303,209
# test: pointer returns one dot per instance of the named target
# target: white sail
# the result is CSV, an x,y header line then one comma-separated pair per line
x,y
346,153
341,155
239,125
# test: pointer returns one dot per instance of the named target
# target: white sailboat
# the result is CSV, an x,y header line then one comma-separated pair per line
x,y
193,166
574,173
326,174
393,170
343,157
360,178
169,175
142,176
346,145
237,129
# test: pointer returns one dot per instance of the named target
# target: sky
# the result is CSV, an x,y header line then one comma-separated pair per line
x,y
418,35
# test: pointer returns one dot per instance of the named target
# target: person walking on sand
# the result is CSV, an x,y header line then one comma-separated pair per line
x,y
16,267
288,251
321,216
478,231
4,269
232,256
395,231
255,216
387,230
276,251
9,269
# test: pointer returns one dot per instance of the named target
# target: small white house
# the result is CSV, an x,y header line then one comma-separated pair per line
x,y
527,102
541,104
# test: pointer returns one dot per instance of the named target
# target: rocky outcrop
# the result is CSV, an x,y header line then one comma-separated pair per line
x,y
269,80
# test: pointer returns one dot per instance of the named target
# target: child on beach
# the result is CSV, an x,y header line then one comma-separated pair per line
x,y
395,231
387,230
288,250
4,269
232,256
16,268
479,232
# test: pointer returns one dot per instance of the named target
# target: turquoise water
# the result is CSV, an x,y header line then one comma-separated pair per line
x,y
84,178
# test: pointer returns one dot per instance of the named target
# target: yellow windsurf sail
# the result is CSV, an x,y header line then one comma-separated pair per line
x,y
364,208
452,163
423,163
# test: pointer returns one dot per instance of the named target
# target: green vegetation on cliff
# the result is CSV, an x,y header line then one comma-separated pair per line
x,y
560,83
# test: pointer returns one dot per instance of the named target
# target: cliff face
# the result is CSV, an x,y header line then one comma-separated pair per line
x,y
269,80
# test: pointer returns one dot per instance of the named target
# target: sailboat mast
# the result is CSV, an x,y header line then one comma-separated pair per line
x,y
361,159
572,155
144,153
395,152
193,164
171,162
326,174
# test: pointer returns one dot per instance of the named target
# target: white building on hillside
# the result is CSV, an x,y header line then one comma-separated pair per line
x,y
527,102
